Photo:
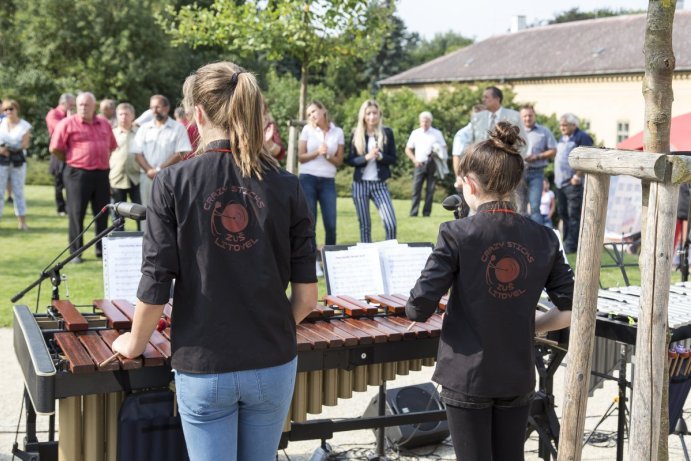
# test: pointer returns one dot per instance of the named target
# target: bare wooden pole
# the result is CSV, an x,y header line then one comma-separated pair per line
x,y
651,338
658,95
583,315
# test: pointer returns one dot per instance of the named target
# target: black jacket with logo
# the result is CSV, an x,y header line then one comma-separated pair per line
x,y
232,244
496,263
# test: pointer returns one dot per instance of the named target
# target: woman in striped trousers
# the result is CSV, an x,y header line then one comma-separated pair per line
x,y
372,150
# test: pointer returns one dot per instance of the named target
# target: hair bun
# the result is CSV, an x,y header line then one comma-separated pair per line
x,y
506,136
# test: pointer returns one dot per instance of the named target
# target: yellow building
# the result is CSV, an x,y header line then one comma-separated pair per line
x,y
591,68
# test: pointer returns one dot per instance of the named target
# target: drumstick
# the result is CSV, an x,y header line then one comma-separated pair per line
x,y
108,360
410,326
550,343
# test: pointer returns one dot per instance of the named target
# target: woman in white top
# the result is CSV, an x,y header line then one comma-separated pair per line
x,y
15,134
320,152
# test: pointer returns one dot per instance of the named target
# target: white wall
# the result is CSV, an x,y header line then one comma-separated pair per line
x,y
602,101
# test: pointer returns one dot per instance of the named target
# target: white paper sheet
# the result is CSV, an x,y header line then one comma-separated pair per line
x,y
122,263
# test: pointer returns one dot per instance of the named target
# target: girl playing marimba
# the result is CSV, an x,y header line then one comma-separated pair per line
x,y
233,230
496,263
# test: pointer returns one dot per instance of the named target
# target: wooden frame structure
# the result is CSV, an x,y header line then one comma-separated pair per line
x,y
665,173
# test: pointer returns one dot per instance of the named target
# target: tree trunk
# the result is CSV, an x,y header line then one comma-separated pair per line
x,y
657,92
303,89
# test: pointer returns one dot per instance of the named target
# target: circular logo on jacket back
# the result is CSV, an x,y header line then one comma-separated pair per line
x,y
234,216
231,217
506,269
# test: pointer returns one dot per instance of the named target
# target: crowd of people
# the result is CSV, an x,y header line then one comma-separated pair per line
x,y
113,155
99,157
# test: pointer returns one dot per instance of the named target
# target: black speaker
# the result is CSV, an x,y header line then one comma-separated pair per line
x,y
411,399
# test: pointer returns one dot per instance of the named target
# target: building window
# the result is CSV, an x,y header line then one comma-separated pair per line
x,y
622,131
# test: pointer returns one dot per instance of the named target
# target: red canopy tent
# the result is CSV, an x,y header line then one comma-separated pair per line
x,y
679,136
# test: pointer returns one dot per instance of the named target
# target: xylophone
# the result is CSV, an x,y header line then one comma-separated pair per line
x,y
618,312
343,346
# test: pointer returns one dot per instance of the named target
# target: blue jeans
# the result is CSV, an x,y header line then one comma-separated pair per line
x,y
15,175
322,190
237,415
534,178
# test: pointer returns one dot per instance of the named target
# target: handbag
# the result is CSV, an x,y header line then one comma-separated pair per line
x,y
17,158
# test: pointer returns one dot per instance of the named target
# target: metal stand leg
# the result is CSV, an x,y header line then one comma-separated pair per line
x,y
622,411
621,417
683,447
381,411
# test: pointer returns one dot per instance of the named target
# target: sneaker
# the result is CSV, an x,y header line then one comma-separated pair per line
x,y
320,273
77,260
62,213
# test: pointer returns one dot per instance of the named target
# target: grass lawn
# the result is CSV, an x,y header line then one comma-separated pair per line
x,y
23,255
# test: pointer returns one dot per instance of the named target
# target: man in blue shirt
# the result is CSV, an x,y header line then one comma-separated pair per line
x,y
569,182
541,148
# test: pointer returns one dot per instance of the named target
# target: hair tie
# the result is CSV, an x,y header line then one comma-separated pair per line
x,y
234,78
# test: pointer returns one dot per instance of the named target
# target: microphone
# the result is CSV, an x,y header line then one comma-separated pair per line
x,y
129,210
452,202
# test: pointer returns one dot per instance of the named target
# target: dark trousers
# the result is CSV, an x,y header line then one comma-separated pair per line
x,y
84,187
59,185
120,195
423,173
569,203
488,434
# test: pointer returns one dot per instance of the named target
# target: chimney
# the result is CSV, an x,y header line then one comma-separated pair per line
x,y
518,22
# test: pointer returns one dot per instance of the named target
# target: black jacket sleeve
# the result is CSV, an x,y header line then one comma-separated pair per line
x,y
353,159
436,278
389,153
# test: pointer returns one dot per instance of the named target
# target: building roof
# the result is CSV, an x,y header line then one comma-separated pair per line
x,y
605,46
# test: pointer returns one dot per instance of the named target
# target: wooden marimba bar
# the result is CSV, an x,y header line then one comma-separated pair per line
x,y
343,346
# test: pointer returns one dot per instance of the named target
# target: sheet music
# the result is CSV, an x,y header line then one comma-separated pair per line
x,y
401,267
122,263
354,272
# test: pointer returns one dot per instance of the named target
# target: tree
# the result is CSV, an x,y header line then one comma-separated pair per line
x,y
575,14
112,49
441,44
649,414
312,32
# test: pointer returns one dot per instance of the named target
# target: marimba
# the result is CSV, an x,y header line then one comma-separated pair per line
x,y
343,346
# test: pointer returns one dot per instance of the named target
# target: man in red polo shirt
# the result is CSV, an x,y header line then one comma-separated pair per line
x,y
84,141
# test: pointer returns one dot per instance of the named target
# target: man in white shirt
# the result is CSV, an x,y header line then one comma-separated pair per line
x,y
159,143
424,142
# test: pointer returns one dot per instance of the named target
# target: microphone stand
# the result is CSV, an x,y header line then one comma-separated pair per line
x,y
54,272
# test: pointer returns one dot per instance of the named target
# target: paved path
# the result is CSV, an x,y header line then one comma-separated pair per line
x,y
357,442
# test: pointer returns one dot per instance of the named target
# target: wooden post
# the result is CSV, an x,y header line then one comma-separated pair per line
x,y
583,316
664,172
291,162
291,159
658,95
651,339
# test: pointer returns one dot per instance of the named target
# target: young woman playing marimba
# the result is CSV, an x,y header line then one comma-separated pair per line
x,y
233,230
496,263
